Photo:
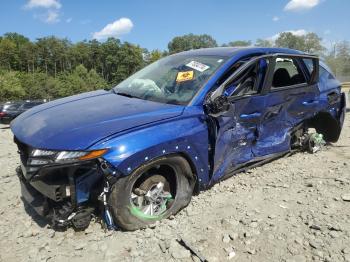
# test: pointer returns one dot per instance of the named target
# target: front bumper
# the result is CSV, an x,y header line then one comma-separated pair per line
x,y
33,197
64,194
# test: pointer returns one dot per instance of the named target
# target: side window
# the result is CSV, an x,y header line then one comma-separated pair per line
x,y
309,64
287,73
324,74
250,81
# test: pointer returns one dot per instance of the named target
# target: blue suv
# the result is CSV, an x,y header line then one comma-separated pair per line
x,y
137,153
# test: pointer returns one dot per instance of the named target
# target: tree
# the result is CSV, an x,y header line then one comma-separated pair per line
x,y
190,41
94,81
38,85
239,43
339,59
8,54
290,40
312,43
155,55
263,43
79,81
10,86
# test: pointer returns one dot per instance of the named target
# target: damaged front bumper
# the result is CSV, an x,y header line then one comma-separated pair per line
x,y
64,194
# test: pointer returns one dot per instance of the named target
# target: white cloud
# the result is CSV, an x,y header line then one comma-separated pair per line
x,y
299,5
275,18
49,17
115,29
327,32
299,32
52,17
55,4
51,14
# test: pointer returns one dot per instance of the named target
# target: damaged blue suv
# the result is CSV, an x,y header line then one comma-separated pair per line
x,y
137,153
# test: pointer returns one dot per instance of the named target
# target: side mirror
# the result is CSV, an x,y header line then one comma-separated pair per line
x,y
218,105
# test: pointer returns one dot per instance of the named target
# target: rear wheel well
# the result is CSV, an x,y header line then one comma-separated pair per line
x,y
327,125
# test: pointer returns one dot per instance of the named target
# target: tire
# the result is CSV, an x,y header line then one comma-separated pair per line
x,y
127,216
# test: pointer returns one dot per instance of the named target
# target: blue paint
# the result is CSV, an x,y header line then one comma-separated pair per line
x,y
84,184
138,131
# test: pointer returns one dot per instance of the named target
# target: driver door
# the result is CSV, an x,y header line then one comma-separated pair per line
x,y
236,128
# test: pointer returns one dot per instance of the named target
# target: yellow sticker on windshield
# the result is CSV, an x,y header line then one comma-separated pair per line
x,y
184,76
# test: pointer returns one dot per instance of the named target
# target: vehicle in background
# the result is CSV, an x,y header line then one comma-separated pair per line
x,y
11,110
8,106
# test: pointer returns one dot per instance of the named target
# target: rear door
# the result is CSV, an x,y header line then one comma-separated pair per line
x,y
292,95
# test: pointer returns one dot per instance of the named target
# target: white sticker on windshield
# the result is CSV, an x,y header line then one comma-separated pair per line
x,y
198,66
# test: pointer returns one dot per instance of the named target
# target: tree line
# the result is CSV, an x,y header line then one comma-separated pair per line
x,y
52,67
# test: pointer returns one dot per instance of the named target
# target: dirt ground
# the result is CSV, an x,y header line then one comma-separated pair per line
x,y
293,209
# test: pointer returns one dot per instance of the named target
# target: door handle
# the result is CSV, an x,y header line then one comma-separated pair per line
x,y
310,103
250,116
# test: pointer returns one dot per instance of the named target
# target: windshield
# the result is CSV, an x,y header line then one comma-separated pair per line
x,y
30,105
173,79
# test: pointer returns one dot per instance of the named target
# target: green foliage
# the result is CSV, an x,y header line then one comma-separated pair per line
x,y
263,43
310,43
339,59
238,43
79,81
38,85
190,41
51,67
155,55
10,86
290,40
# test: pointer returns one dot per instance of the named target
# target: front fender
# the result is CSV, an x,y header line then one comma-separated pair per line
x,y
186,135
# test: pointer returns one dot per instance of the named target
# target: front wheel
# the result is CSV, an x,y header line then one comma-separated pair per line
x,y
152,192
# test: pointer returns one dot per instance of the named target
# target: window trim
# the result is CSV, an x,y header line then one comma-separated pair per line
x,y
311,80
266,88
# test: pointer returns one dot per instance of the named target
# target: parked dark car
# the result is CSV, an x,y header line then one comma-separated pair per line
x,y
15,109
136,154
8,106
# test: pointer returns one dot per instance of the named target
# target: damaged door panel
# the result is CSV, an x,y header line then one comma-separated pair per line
x,y
292,97
136,154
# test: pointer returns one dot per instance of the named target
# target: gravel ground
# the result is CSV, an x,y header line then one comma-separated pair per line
x,y
293,209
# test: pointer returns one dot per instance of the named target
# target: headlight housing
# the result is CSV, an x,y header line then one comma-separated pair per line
x,y
64,156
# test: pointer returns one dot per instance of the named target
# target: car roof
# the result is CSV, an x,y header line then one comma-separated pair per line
x,y
232,51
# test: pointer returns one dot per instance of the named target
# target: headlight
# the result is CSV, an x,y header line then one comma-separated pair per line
x,y
67,156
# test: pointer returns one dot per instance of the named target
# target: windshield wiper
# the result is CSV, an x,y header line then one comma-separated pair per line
x,y
125,94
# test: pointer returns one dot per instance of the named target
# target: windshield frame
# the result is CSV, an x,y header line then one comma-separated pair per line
x,y
185,55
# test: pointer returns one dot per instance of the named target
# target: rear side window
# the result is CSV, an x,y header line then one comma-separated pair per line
x,y
324,74
287,73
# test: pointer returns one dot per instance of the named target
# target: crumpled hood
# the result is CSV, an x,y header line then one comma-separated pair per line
x,y
77,122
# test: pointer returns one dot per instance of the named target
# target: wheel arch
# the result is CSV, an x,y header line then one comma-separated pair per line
x,y
193,177
327,125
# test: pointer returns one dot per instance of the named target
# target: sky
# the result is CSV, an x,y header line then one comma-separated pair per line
x,y
153,23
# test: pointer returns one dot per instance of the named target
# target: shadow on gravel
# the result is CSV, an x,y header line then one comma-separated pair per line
x,y
31,212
